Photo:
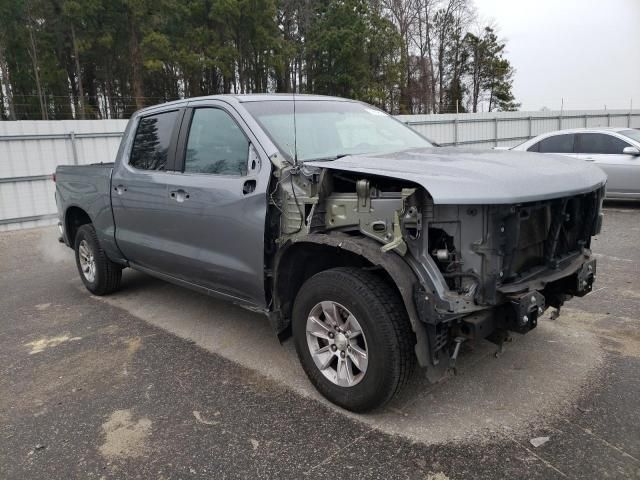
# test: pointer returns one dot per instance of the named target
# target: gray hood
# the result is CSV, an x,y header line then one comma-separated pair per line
x,y
468,176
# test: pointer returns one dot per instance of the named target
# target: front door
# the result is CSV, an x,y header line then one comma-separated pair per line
x,y
605,151
218,204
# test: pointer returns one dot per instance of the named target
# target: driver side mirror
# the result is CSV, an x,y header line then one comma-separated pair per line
x,y
631,151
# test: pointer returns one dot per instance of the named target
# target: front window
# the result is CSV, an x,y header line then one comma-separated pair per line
x,y
216,145
329,129
601,144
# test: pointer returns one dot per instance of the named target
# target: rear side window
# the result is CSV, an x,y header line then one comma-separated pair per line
x,y
556,144
152,140
216,144
600,143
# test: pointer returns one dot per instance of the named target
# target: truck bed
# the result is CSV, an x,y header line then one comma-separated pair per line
x,y
87,187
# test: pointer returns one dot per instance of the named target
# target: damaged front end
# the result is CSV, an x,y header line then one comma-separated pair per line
x,y
465,272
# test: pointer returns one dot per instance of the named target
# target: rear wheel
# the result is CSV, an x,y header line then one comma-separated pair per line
x,y
100,275
353,337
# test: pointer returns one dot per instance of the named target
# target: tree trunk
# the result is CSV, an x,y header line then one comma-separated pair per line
x,y
33,53
78,72
6,81
431,69
137,67
440,75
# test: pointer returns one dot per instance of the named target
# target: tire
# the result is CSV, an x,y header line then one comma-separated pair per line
x,y
386,338
103,276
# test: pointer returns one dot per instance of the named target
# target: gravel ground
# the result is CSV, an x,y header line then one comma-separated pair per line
x,y
160,382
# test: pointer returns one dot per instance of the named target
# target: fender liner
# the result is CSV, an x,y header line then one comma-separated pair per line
x,y
392,263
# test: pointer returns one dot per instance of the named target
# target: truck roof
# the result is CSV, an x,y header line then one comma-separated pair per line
x,y
250,97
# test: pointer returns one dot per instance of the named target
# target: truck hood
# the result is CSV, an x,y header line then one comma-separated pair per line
x,y
467,176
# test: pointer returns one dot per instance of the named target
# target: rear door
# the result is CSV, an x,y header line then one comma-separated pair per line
x,y
217,204
561,144
623,171
139,189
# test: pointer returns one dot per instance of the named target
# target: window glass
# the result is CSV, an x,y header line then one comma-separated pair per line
x,y
557,144
600,143
632,134
534,148
216,144
326,129
151,143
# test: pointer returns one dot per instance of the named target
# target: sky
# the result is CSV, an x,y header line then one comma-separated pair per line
x,y
586,52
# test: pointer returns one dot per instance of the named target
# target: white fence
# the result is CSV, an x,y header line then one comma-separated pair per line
x,y
31,150
507,129
29,154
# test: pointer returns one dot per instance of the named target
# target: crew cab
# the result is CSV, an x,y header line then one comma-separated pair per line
x,y
376,250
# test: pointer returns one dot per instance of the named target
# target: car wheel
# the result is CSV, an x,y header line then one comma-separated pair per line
x,y
100,275
353,337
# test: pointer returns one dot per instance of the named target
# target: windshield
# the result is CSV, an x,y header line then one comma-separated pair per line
x,y
330,129
632,134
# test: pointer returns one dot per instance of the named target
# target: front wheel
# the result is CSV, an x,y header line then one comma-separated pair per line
x,y
353,337
100,275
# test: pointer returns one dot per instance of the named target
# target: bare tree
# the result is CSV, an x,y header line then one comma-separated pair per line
x,y
446,19
33,54
78,72
404,14
424,41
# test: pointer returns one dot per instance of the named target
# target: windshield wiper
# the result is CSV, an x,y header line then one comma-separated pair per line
x,y
329,159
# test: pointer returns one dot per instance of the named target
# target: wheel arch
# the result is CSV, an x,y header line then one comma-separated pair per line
x,y
302,258
74,218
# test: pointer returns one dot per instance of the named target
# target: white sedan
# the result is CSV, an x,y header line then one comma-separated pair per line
x,y
614,150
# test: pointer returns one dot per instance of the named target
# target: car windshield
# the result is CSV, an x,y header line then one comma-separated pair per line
x,y
632,134
327,130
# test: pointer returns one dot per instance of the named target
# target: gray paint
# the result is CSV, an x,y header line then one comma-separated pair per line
x,y
88,187
467,176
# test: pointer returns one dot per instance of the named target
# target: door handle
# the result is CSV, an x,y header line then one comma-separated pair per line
x,y
589,159
248,187
120,189
179,195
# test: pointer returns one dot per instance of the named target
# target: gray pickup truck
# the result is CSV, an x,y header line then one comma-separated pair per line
x,y
346,228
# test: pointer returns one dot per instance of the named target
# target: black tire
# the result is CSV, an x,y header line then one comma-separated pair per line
x,y
107,273
383,319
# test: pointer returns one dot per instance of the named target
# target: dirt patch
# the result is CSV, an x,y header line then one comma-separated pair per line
x,y
618,334
83,368
200,419
133,345
437,476
631,294
43,343
124,436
